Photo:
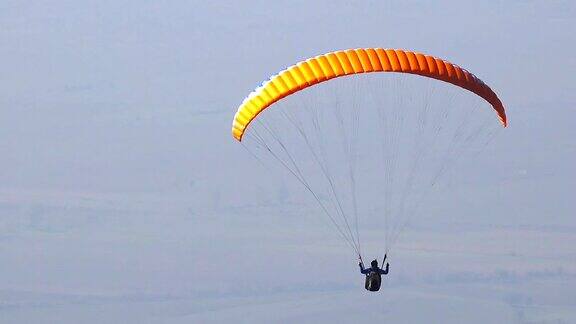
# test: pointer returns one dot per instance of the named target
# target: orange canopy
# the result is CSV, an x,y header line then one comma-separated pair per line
x,y
362,60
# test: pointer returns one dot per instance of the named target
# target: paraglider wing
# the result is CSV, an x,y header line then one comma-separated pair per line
x,y
354,61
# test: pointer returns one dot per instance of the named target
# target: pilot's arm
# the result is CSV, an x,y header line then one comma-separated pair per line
x,y
362,270
382,271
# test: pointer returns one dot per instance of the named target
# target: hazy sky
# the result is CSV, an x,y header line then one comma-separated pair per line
x,y
123,197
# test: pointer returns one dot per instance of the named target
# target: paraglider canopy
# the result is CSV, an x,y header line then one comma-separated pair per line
x,y
353,61
357,154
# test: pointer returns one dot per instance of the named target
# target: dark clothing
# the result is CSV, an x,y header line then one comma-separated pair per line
x,y
373,281
373,276
371,269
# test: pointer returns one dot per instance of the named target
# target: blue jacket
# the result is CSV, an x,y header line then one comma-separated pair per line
x,y
370,270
